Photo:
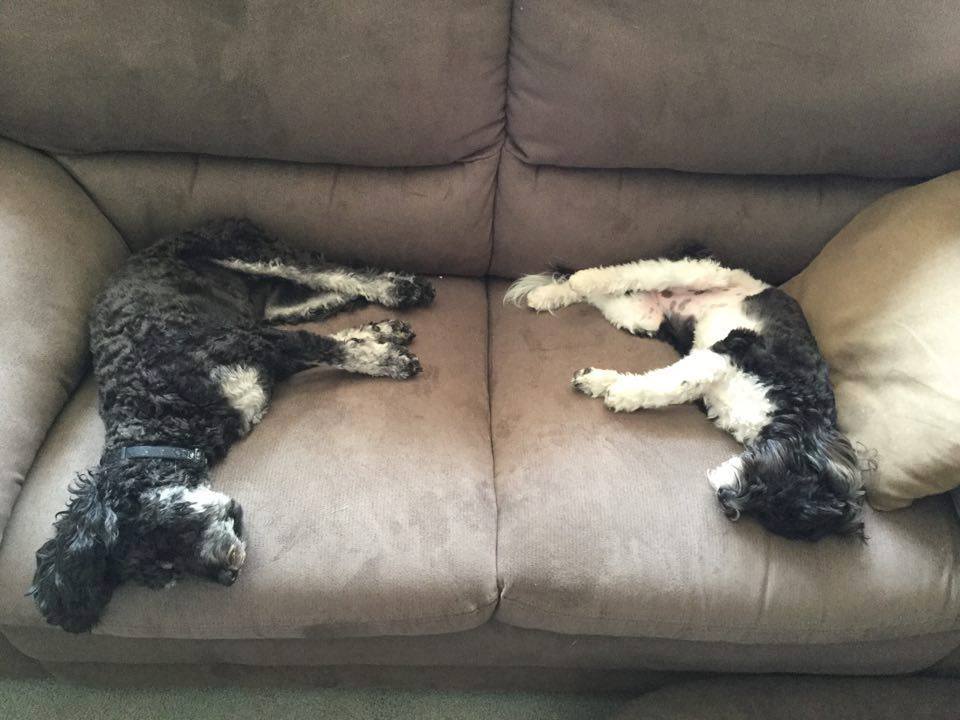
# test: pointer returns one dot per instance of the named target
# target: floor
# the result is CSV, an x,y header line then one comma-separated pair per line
x,y
29,699
733,698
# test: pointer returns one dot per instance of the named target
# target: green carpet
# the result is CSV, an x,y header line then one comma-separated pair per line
x,y
29,699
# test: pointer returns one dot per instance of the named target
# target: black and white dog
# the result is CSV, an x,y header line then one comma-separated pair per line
x,y
751,361
185,358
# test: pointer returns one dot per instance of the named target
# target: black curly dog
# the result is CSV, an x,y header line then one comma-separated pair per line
x,y
185,360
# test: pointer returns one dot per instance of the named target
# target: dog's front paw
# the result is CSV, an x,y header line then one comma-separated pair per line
x,y
401,364
594,382
410,291
394,331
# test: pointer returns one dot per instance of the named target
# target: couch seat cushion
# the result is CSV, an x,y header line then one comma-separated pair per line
x,y
607,525
368,503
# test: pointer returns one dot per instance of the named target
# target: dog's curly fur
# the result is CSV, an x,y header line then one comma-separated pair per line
x,y
750,361
183,357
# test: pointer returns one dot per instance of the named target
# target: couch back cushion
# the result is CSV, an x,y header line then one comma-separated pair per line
x,y
369,130
366,82
759,127
752,86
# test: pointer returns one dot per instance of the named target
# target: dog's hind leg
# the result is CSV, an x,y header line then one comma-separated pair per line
x,y
637,313
684,381
241,246
659,275
290,304
543,293
294,351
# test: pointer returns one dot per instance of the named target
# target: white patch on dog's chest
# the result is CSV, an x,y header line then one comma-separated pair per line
x,y
243,390
738,404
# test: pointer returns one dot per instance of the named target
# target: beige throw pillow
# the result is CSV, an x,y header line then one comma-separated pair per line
x,y
883,299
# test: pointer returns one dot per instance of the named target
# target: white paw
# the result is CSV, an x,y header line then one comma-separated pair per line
x,y
551,297
594,382
588,282
726,474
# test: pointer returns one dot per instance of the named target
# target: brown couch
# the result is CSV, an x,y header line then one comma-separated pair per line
x,y
506,530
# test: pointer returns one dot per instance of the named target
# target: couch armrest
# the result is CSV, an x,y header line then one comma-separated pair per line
x,y
56,250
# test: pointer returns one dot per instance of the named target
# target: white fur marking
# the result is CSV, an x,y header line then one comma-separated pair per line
x,y
542,293
243,391
339,281
659,275
379,359
201,498
684,381
738,404
727,474
637,313
303,309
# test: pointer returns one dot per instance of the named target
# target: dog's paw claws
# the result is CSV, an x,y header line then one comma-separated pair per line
x,y
578,382
593,382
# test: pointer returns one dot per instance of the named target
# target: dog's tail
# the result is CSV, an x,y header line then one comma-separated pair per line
x,y
72,583
522,287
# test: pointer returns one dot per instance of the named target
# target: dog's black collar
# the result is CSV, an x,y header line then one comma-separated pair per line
x,y
195,456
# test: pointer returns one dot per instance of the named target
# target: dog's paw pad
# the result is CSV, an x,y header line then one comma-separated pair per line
x,y
402,364
411,291
395,331
593,382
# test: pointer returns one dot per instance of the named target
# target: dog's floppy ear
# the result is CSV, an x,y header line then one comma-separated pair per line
x,y
72,583
800,490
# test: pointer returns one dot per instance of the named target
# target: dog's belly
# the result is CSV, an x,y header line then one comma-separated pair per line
x,y
715,313
738,404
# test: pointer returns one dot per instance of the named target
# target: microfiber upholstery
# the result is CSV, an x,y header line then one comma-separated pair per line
x,y
368,502
366,82
490,645
427,220
608,526
56,250
579,218
754,86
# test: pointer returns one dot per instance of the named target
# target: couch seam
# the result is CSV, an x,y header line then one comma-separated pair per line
x,y
511,147
915,630
493,454
506,137
86,191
